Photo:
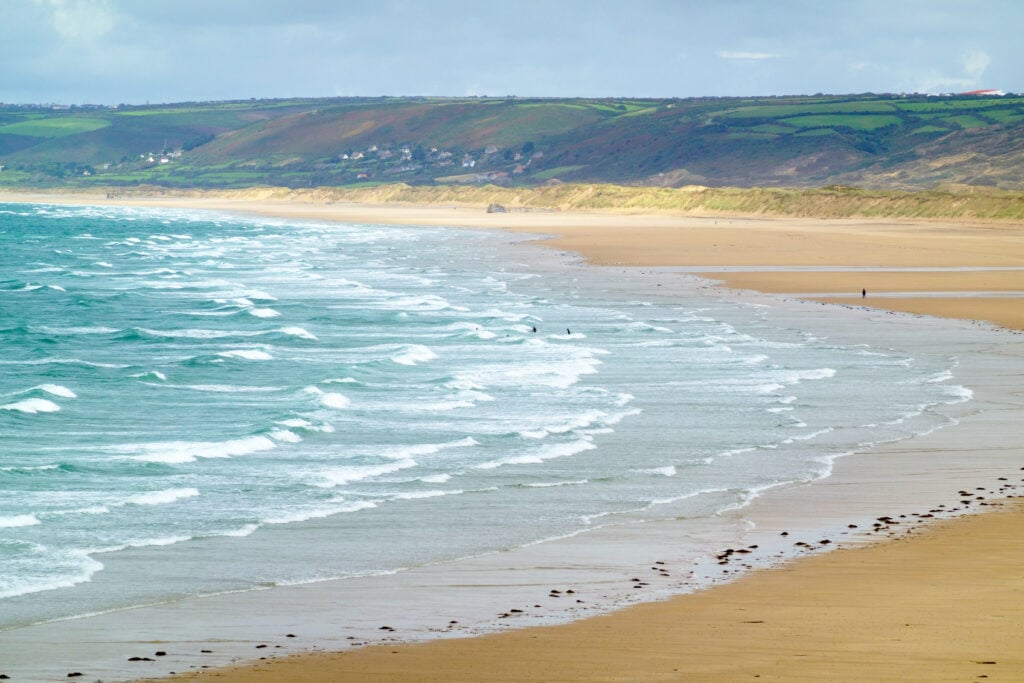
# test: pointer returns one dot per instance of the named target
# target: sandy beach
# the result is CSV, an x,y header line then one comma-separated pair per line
x,y
940,600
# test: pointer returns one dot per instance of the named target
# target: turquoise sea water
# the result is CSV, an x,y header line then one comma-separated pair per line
x,y
207,382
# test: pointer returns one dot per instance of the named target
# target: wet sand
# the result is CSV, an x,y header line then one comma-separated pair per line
x,y
942,603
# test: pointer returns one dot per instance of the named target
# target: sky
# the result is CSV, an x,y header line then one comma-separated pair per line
x,y
158,51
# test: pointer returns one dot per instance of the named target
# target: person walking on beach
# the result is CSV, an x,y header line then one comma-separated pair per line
x,y
863,294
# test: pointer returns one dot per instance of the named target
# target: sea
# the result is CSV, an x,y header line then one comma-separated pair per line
x,y
193,383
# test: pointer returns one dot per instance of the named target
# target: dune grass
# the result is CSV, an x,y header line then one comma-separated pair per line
x,y
960,203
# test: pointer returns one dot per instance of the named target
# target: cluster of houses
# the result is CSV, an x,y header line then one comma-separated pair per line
x,y
380,160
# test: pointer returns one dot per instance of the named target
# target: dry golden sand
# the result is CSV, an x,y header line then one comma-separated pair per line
x,y
945,603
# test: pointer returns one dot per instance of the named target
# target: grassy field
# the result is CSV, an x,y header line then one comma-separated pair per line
x,y
53,127
871,141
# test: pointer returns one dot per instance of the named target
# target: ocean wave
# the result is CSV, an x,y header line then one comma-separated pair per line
x,y
162,497
284,436
666,471
554,484
420,495
306,425
414,354
644,327
246,354
420,450
329,399
576,422
958,393
29,468
473,330
19,521
939,377
195,333
264,313
32,406
426,302
809,436
226,388
340,476
319,513
299,332
57,390
152,374
64,361
71,568
72,331
557,374
177,452
540,455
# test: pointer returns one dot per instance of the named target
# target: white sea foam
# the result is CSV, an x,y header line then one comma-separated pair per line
x,y
264,312
247,354
298,332
473,330
82,571
427,302
807,437
648,327
329,399
285,436
162,497
667,471
197,333
418,495
959,394
556,374
79,330
414,354
28,468
556,484
18,521
940,377
318,513
57,390
299,423
436,478
419,450
340,476
540,455
32,406
175,452
575,422
154,374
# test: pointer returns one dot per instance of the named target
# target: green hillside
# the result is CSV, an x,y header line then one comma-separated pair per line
x,y
870,141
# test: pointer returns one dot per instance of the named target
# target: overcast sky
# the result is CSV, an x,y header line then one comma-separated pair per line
x,y
137,51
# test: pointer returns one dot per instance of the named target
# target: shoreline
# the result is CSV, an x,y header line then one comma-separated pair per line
x,y
978,264
450,654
